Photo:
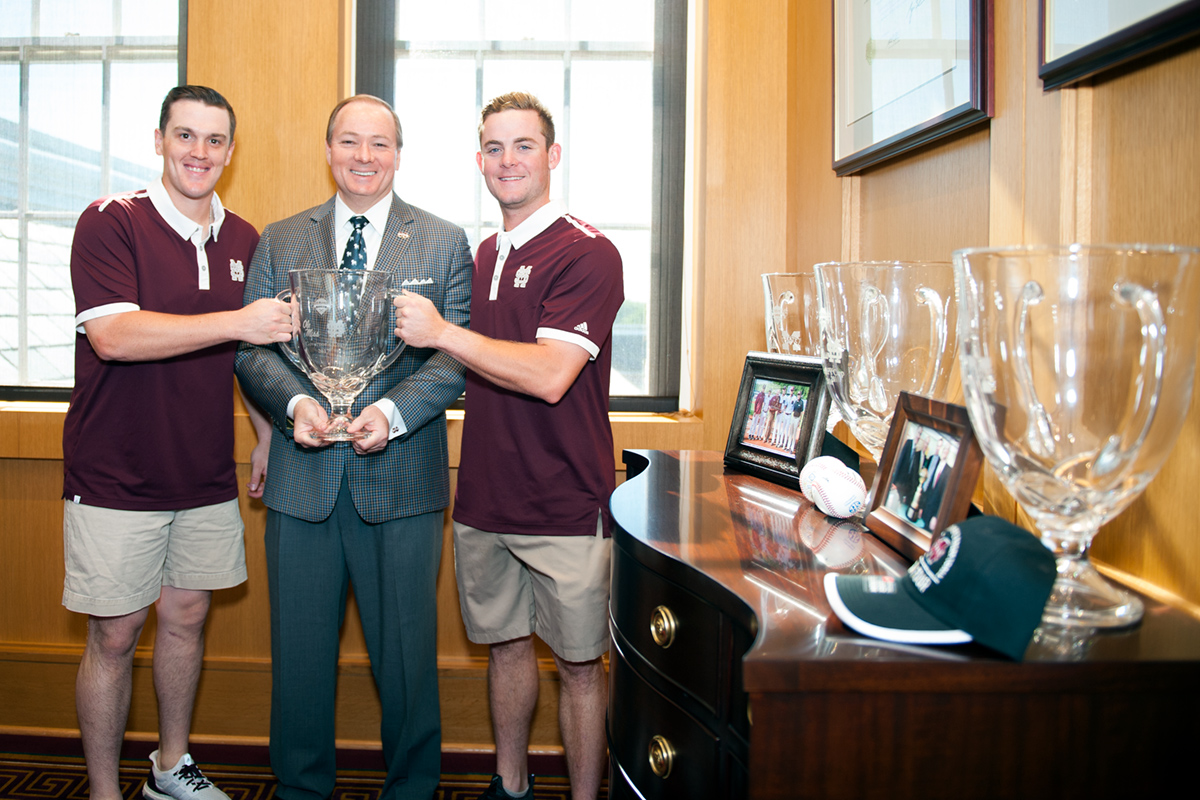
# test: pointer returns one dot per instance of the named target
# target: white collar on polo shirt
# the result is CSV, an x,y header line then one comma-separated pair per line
x,y
507,241
534,224
180,222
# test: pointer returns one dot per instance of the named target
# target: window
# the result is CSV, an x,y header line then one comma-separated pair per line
x,y
613,75
81,82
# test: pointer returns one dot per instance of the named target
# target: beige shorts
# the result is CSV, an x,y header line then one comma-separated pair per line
x,y
118,561
512,585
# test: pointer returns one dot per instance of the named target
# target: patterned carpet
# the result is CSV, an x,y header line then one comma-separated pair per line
x,y
28,777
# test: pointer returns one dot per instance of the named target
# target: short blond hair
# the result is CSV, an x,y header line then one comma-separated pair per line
x,y
519,101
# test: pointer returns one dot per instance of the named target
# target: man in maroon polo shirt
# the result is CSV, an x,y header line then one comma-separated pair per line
x,y
531,545
151,511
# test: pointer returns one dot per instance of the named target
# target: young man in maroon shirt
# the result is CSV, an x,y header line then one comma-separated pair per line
x,y
151,511
531,512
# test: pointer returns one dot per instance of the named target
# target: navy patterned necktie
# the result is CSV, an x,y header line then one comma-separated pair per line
x,y
355,256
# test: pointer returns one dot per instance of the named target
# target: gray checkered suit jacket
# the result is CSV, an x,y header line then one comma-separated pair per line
x,y
410,475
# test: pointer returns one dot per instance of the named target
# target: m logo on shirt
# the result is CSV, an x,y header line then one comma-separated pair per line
x,y
236,271
522,278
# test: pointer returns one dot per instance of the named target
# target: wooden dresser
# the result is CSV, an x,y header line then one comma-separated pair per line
x,y
730,676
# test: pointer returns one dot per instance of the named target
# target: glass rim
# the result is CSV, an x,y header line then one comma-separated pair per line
x,y
1075,248
883,264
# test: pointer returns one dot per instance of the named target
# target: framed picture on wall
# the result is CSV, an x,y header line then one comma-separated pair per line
x,y
905,74
1077,40
926,476
779,420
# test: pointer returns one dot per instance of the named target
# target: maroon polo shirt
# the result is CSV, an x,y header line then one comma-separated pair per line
x,y
154,435
530,467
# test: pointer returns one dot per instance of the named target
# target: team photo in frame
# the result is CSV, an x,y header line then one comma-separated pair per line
x,y
926,475
779,419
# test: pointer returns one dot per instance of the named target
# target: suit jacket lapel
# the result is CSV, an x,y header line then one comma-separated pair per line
x,y
322,245
397,236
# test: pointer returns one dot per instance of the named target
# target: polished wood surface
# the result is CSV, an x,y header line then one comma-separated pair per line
x,y
839,715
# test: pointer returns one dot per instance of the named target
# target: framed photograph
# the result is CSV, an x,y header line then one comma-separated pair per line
x,y
779,420
905,74
926,475
1079,39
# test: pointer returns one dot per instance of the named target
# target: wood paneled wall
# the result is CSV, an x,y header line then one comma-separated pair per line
x,y
1111,160
1139,184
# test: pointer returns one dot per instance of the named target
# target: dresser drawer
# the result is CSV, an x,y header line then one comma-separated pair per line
x,y
675,631
649,733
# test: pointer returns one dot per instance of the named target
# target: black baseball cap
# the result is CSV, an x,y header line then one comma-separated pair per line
x,y
983,579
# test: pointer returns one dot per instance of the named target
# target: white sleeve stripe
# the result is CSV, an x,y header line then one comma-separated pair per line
x,y
572,337
103,311
575,222
122,195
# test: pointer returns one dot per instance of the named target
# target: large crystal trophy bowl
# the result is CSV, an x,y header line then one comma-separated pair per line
x,y
886,328
342,321
1077,365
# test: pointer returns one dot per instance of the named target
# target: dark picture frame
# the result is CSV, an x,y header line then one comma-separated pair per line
x,y
758,442
945,87
1109,47
926,475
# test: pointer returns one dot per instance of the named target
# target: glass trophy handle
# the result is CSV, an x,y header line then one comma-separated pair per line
x,y
288,348
876,320
1149,381
929,297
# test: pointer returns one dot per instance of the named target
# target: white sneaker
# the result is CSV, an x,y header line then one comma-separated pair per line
x,y
184,781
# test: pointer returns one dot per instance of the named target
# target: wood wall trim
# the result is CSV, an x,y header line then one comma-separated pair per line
x,y
36,433
852,218
233,703
1076,166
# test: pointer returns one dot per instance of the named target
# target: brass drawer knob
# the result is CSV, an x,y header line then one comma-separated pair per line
x,y
663,625
662,756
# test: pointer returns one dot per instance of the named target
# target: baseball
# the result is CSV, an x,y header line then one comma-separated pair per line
x,y
833,487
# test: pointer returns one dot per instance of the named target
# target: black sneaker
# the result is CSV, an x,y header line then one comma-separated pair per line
x,y
496,791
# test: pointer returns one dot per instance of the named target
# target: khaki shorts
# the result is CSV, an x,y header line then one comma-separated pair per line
x,y
118,561
512,585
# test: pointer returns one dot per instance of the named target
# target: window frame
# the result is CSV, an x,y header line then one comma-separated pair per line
x,y
108,50
376,52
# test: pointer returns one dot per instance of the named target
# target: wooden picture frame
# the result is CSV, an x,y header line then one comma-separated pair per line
x,y
1124,31
907,74
926,475
757,443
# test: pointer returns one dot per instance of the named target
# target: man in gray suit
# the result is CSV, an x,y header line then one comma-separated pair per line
x,y
367,513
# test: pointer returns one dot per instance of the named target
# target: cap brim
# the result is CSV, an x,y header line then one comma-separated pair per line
x,y
891,616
